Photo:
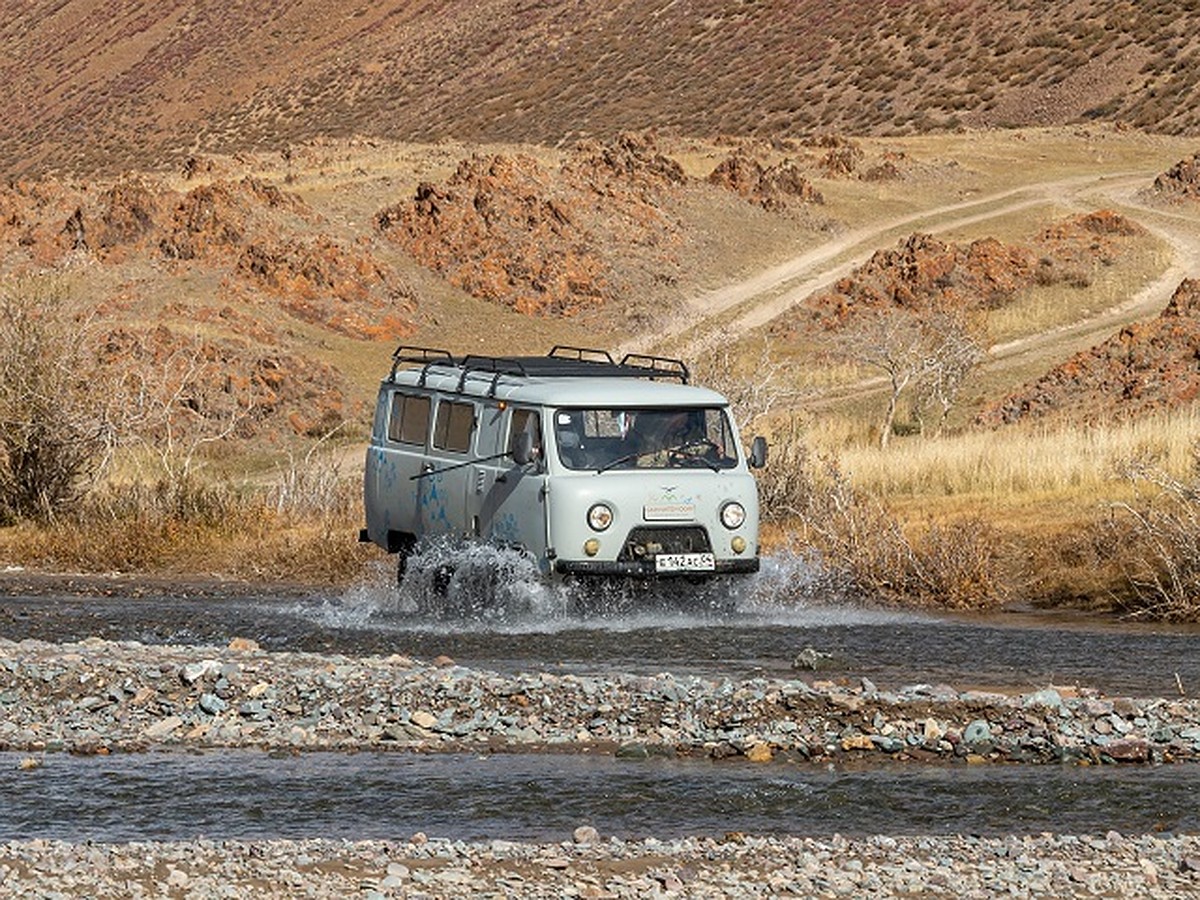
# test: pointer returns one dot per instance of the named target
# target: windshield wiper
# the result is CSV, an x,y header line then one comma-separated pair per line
x,y
628,457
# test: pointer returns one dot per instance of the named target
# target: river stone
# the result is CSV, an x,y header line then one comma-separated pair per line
x,y
810,659
633,750
1047,697
424,719
760,752
1128,750
977,732
163,727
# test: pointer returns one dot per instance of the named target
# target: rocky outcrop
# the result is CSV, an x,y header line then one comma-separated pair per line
x,y
541,240
1144,368
195,384
771,187
319,282
249,252
924,272
631,157
1180,183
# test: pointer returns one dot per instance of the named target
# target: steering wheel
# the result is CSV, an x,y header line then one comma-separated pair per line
x,y
693,449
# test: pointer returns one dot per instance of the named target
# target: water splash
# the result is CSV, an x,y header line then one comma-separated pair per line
x,y
471,586
477,582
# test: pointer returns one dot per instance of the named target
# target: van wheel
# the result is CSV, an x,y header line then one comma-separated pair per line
x,y
404,544
441,579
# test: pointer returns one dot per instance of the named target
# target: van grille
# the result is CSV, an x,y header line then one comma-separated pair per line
x,y
646,542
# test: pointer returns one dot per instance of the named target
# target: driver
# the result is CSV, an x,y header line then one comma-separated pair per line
x,y
655,435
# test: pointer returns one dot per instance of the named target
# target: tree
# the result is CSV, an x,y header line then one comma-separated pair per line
x,y
934,349
58,413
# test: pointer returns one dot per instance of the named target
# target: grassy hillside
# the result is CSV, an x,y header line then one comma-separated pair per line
x,y
108,86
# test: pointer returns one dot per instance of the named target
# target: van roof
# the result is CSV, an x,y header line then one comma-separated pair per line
x,y
565,376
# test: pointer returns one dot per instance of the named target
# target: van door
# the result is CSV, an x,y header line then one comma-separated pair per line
x,y
446,479
489,445
396,454
514,509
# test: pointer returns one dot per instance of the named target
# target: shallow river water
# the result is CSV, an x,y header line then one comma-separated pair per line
x,y
760,634
544,796
176,796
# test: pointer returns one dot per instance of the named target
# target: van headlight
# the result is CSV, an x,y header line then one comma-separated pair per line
x,y
599,517
733,514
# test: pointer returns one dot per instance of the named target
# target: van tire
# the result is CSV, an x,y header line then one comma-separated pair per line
x,y
402,545
442,576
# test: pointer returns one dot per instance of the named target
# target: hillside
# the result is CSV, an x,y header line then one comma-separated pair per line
x,y
105,87
227,216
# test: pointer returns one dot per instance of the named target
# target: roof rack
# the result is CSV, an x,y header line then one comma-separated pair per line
x,y
561,362
672,368
425,356
562,351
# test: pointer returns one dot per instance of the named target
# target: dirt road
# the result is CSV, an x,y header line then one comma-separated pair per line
x,y
760,299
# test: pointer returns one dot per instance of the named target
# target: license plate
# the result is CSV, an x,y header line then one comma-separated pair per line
x,y
684,562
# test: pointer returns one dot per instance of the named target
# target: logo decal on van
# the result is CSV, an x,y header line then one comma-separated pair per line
x,y
667,507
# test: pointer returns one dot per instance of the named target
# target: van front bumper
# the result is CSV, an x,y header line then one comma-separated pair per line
x,y
644,568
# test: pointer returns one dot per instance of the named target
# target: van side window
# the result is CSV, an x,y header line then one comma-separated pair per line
x,y
525,420
453,426
409,421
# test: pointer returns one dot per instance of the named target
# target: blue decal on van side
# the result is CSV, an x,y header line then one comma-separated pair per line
x,y
505,529
433,498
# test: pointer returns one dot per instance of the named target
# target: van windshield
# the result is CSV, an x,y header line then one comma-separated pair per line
x,y
601,439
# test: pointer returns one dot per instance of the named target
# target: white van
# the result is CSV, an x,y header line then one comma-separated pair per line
x,y
595,468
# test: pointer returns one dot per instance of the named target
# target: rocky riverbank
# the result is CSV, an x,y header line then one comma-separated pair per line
x,y
102,696
99,696
590,867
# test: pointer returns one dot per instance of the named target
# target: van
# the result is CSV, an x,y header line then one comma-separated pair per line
x,y
596,469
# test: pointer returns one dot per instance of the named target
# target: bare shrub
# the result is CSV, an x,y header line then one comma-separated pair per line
x,y
1159,536
865,549
59,414
931,349
277,530
754,387
311,485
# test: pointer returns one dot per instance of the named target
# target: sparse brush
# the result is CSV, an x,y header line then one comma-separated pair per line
x,y
865,549
300,526
1158,540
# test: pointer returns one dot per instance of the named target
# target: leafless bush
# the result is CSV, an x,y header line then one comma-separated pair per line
x,y
59,414
754,389
1159,536
312,485
933,350
865,549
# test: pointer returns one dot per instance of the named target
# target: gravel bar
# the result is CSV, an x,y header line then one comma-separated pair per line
x,y
99,696
1110,865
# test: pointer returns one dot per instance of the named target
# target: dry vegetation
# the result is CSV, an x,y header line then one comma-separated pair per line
x,y
191,77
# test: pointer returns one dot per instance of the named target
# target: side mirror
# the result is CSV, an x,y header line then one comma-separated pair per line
x,y
758,452
523,452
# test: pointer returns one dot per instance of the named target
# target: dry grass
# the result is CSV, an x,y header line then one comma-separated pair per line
x,y
1067,521
1083,461
865,549
297,521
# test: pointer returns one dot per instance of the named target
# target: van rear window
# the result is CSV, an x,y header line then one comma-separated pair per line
x,y
409,421
453,427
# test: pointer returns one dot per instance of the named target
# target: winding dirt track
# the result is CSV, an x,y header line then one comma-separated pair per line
x,y
763,297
